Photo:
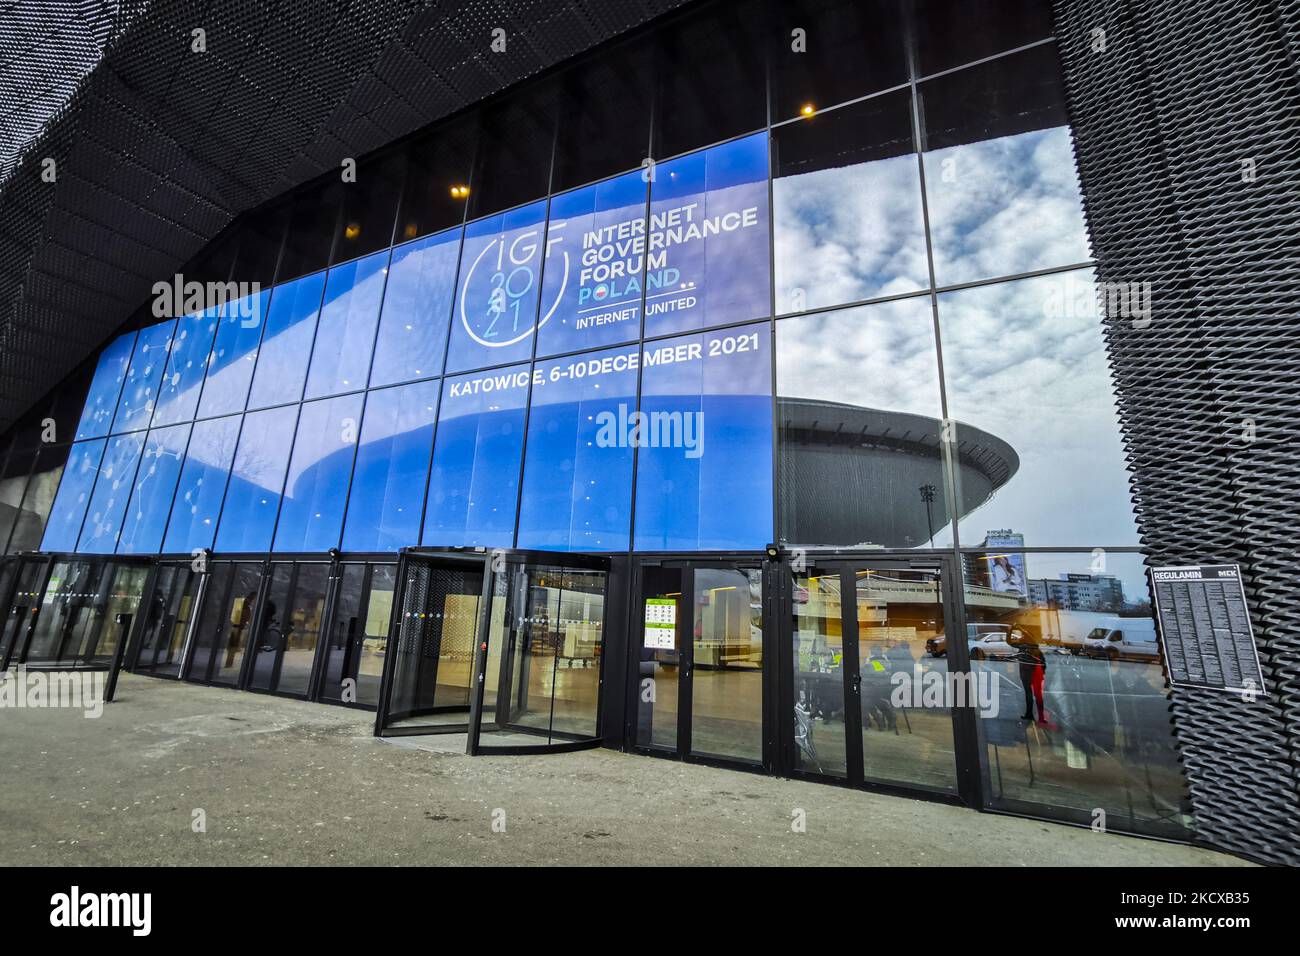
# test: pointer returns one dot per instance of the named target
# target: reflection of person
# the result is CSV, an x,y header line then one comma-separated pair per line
x,y
875,691
1033,671
240,622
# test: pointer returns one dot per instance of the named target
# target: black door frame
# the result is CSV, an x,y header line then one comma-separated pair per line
x,y
20,646
967,763
778,668
687,564
490,563
502,562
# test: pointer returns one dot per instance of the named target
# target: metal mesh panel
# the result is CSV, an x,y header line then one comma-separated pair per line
x,y
1174,103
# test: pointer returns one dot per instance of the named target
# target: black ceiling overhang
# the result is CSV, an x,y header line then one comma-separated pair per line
x,y
159,147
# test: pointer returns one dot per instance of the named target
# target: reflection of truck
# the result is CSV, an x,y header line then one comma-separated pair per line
x,y
1123,639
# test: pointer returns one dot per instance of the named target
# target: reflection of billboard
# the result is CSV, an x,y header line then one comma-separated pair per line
x,y
1007,571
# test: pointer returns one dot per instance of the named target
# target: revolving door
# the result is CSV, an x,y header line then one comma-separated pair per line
x,y
504,647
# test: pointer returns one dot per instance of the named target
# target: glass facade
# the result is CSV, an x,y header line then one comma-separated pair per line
x,y
608,313
814,331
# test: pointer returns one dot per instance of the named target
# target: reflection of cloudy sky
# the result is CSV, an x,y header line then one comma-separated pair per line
x,y
876,356
1025,361
849,233
1004,206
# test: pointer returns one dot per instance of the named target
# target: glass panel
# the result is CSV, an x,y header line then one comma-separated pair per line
x,y
25,602
704,471
439,169
1077,710
17,465
709,259
311,231
818,633
59,612
289,629
106,388
354,662
114,612
260,237
435,646
39,498
547,671
727,669
68,406
154,488
236,624
256,481
340,360
214,618
907,719
417,309
661,626
578,473
711,77
862,427
513,161
595,258
69,508
847,206
369,208
290,328
999,172
316,490
182,380
234,353
473,490
575,618
202,485
604,125
268,636
392,469
86,611
949,34
496,306
163,637
103,527
1020,359
848,48
140,390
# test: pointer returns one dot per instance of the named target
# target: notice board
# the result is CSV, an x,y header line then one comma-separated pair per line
x,y
1205,627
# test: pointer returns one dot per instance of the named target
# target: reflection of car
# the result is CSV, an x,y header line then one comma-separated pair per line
x,y
1131,644
989,639
989,642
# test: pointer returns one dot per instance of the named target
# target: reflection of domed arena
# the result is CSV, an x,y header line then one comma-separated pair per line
x,y
853,475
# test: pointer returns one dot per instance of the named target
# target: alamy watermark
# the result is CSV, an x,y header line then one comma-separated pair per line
x,y
629,429
177,296
944,690
73,690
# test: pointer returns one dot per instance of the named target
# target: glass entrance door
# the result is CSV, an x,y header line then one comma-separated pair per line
x,y
166,620
24,596
288,627
428,667
505,648
872,698
701,687
85,612
540,664
225,623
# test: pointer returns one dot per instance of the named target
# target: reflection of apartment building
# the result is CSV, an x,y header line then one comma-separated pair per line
x,y
1078,592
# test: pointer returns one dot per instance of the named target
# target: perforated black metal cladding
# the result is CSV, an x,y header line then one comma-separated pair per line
x,y
1187,136
158,147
